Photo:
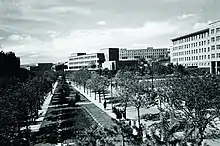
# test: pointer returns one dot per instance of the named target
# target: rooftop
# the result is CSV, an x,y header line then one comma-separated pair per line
x,y
190,34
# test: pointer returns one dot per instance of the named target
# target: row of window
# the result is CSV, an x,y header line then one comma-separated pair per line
x,y
149,56
192,38
75,67
213,39
162,53
143,51
201,57
81,62
196,64
213,30
192,45
200,50
81,58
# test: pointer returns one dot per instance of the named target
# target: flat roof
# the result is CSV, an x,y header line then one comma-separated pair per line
x,y
149,48
190,34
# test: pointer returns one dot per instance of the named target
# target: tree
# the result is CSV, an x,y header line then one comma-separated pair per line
x,y
197,100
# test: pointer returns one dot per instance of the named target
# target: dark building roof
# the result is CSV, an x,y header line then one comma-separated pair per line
x,y
190,34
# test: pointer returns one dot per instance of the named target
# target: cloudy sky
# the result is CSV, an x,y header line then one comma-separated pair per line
x,y
50,30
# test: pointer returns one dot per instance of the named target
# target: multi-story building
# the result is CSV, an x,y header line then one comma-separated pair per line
x,y
82,60
198,49
149,53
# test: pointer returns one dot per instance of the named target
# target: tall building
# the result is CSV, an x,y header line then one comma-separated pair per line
x,y
149,53
83,60
199,49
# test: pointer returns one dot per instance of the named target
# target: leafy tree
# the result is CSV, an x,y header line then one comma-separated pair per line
x,y
197,100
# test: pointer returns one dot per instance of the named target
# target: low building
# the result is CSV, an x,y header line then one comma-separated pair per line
x,y
91,61
149,54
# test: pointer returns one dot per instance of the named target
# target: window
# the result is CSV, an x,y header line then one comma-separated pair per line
x,y
208,56
218,38
212,31
204,49
208,41
199,57
213,39
217,29
212,47
218,55
204,56
217,46
213,55
208,49
204,42
199,43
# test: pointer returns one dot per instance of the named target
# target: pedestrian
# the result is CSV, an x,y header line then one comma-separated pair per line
x,y
105,104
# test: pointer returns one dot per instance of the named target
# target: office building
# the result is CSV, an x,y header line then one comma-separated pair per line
x,y
82,60
149,54
200,49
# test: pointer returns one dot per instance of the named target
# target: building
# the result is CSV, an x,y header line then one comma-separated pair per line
x,y
148,54
82,60
115,58
199,49
41,67
111,58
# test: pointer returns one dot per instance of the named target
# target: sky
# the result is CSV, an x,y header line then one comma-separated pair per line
x,y
50,30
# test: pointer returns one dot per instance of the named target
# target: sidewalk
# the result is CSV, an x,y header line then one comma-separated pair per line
x,y
131,111
43,111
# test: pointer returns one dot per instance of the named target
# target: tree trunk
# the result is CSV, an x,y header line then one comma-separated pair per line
x,y
84,86
95,94
87,91
139,118
104,93
201,133
123,140
99,96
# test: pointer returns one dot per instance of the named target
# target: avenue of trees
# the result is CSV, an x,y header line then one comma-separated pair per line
x,y
188,105
19,104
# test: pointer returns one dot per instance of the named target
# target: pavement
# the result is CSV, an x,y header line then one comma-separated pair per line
x,y
131,111
43,111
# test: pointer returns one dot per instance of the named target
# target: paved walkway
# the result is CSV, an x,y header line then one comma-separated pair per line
x,y
131,111
98,114
43,111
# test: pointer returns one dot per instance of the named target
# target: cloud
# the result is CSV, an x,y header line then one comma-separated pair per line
x,y
186,16
101,23
201,25
67,9
91,40
171,1
17,38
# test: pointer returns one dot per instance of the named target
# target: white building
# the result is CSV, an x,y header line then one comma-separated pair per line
x,y
198,49
149,53
83,60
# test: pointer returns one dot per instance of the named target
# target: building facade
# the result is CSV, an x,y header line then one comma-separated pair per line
x,y
149,54
111,58
82,60
199,49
